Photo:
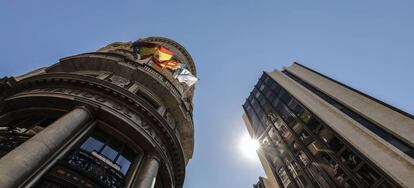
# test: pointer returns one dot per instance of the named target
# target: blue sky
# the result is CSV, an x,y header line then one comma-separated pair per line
x,y
368,45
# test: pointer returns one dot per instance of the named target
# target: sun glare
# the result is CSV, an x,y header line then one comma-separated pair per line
x,y
249,146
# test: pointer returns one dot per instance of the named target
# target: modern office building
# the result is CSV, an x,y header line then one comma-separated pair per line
x,y
317,132
262,183
103,119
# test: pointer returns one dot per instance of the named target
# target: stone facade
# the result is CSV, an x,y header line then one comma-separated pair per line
x,y
100,119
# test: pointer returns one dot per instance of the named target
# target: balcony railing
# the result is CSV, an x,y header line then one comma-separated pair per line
x,y
94,168
10,140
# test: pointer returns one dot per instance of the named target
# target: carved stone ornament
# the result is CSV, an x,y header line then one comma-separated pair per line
x,y
119,81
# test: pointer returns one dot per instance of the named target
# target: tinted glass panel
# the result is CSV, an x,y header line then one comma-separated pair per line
x,y
109,153
123,163
92,144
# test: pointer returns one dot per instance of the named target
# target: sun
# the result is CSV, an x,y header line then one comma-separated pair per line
x,y
249,146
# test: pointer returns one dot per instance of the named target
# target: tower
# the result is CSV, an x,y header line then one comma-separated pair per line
x,y
103,119
317,132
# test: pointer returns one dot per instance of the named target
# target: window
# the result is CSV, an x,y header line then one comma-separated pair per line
x,y
305,116
250,98
301,181
303,158
368,175
305,137
314,125
262,87
350,159
267,80
295,107
275,87
284,177
105,145
293,167
267,108
275,102
349,184
272,134
385,184
335,144
256,93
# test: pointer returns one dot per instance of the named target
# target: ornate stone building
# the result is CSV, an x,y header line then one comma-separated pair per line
x,y
317,132
100,119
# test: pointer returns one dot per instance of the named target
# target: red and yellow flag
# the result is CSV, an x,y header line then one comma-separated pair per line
x,y
171,64
159,55
163,54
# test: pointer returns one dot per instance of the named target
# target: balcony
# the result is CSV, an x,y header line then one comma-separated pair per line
x,y
95,167
10,140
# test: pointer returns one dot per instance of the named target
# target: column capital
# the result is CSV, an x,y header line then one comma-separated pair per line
x,y
91,110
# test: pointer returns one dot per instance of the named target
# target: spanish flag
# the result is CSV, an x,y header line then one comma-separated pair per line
x,y
171,64
162,54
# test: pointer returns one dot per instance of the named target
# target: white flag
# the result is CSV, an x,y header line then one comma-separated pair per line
x,y
185,76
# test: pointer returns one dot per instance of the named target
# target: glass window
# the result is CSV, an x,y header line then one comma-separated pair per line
x,y
251,97
275,102
305,116
267,108
349,184
268,80
301,181
284,177
92,144
272,134
262,100
368,175
350,159
109,153
108,147
303,158
304,136
295,107
123,163
259,130
314,125
335,144
262,87
385,184
256,93
275,87
285,97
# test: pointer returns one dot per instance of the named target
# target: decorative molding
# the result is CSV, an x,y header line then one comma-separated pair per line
x,y
172,149
119,81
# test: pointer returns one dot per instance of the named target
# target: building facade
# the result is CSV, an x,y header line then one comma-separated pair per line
x,y
262,183
101,119
317,132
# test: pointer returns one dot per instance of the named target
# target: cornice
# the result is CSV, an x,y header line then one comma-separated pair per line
x,y
117,93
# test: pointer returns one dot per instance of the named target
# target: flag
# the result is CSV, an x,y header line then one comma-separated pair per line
x,y
162,54
156,51
185,76
171,64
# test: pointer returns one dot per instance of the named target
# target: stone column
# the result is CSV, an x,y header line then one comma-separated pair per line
x,y
148,173
20,163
